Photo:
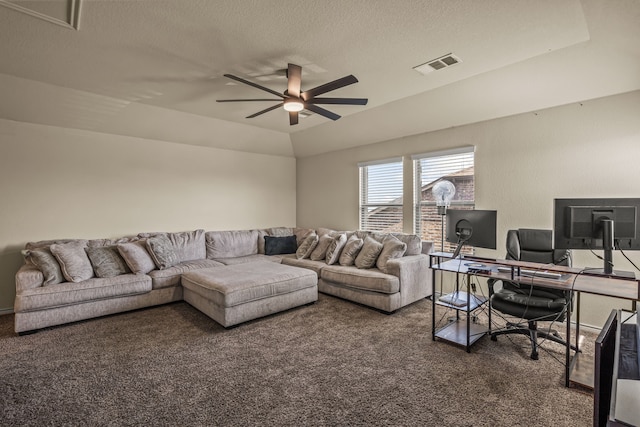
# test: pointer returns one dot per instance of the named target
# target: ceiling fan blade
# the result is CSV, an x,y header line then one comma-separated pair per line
x,y
243,100
294,75
293,118
319,110
328,87
266,110
257,86
340,101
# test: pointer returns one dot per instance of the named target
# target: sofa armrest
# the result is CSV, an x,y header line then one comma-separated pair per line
x,y
414,274
28,277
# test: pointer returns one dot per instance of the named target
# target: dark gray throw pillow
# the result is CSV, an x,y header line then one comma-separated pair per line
x,y
280,245
107,262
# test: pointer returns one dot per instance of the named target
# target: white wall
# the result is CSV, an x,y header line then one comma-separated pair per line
x,y
65,183
523,162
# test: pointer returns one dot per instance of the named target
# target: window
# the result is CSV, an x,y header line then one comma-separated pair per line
x,y
456,166
381,195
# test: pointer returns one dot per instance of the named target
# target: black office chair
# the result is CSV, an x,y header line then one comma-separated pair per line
x,y
531,303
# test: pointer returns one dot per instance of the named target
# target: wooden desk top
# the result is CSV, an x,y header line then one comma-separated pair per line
x,y
572,278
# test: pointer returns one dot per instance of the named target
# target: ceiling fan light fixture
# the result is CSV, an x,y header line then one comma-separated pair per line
x,y
293,105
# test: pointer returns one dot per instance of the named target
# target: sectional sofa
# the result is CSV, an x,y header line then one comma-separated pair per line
x,y
69,280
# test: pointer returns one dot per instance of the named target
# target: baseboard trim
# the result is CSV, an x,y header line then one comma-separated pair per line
x,y
4,311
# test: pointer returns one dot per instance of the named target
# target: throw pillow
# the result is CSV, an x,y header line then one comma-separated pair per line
x,y
137,257
414,243
302,233
351,250
307,246
335,248
47,263
369,253
162,251
392,248
280,245
320,251
107,262
73,260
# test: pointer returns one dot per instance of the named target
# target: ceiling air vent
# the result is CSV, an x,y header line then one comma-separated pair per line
x,y
437,64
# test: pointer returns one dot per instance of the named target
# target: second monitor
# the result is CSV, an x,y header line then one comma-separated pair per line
x,y
472,228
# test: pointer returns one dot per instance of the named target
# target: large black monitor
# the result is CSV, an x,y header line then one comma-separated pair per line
x,y
607,224
471,227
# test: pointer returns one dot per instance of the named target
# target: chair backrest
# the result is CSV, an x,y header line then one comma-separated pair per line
x,y
535,245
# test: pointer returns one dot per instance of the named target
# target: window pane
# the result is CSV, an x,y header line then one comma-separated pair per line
x,y
458,169
381,197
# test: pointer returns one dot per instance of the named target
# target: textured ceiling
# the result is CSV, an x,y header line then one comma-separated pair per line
x,y
154,68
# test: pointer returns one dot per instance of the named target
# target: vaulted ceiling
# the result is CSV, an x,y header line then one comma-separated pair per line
x,y
154,68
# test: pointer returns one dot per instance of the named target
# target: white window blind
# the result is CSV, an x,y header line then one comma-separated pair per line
x,y
381,195
456,166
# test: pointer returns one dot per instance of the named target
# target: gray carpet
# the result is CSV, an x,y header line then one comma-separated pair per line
x,y
331,364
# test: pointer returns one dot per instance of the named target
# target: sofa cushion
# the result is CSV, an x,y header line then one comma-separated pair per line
x,y
280,231
189,245
239,284
250,258
320,252
107,262
351,250
47,264
98,243
171,276
322,231
261,234
370,279
137,257
391,248
46,243
335,248
231,244
73,260
369,253
92,289
280,245
303,263
162,251
307,246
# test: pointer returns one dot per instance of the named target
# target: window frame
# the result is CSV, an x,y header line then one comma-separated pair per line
x,y
364,205
436,234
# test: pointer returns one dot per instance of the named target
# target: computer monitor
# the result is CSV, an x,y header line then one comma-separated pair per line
x,y
472,228
607,224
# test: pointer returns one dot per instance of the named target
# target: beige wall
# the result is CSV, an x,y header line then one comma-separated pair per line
x,y
523,162
60,183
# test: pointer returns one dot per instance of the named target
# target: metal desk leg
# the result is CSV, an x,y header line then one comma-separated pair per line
x,y
468,313
578,322
567,360
433,305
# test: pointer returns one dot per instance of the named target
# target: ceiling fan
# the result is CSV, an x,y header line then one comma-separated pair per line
x,y
295,100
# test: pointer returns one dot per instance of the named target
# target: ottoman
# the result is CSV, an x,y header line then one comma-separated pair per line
x,y
237,293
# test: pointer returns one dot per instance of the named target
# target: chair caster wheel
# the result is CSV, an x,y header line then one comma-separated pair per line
x,y
494,338
534,355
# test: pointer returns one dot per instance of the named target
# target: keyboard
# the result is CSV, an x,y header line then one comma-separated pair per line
x,y
532,273
455,299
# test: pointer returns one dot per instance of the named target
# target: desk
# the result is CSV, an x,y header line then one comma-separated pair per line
x,y
573,280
